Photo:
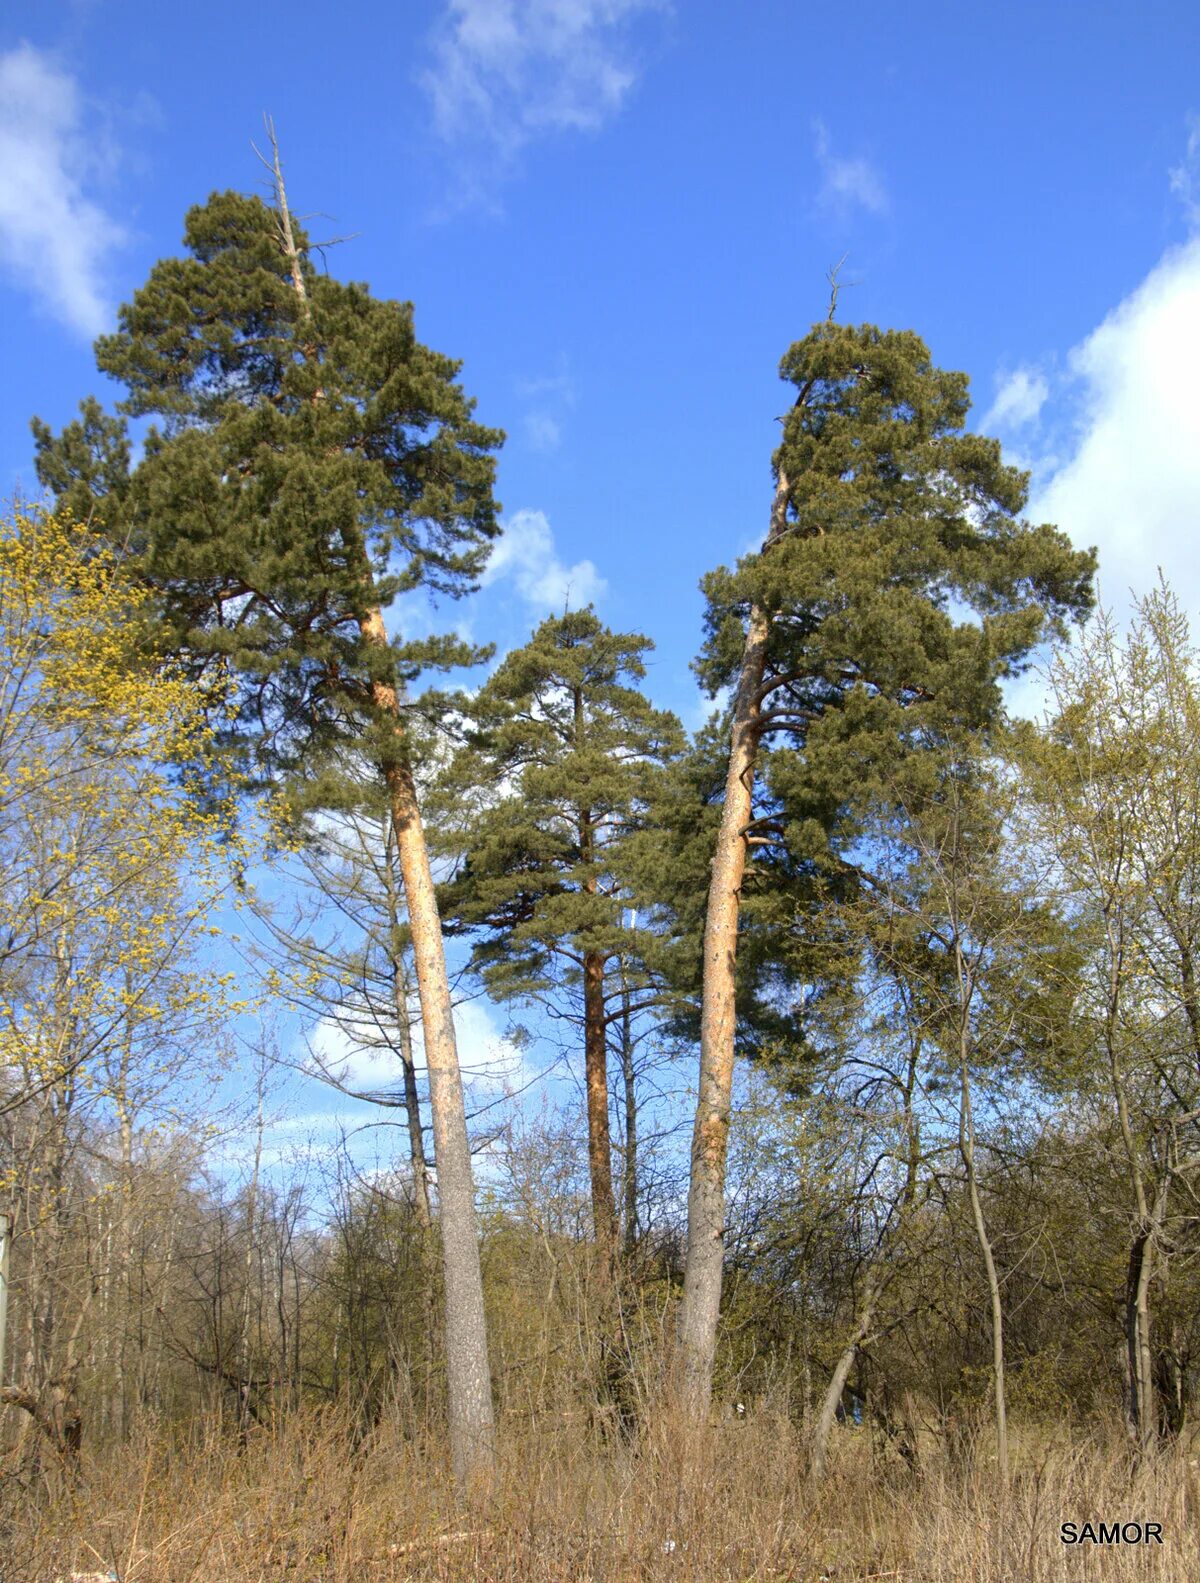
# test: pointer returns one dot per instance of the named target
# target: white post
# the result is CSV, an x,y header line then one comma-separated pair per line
x,y
4,1227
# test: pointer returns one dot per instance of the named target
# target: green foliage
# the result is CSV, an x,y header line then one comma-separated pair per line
x,y
308,461
562,755
1112,798
893,513
901,588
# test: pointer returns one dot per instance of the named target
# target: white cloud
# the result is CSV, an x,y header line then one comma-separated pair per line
x,y
526,554
1020,397
53,240
846,184
507,71
1131,483
1123,476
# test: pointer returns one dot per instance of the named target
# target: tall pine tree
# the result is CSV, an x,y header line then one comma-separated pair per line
x,y
310,460
549,790
897,586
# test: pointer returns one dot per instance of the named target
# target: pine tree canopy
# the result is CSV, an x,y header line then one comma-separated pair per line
x,y
554,779
898,520
307,460
901,586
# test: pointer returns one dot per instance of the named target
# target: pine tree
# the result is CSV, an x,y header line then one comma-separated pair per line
x,y
572,746
841,641
310,461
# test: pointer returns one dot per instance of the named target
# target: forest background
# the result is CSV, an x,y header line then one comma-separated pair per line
x,y
619,217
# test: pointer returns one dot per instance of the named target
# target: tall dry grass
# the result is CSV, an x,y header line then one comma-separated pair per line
x,y
308,1502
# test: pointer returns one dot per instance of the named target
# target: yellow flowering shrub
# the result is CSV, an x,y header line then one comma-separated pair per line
x,y
110,862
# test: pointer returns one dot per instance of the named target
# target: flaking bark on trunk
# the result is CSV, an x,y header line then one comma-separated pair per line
x,y
703,1270
700,1310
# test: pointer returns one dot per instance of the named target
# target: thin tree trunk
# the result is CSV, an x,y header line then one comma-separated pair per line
x,y
245,1372
1137,1337
966,1142
468,1378
412,1102
1142,1408
837,1384
1144,1395
629,1183
412,1105
874,1279
124,1261
416,1148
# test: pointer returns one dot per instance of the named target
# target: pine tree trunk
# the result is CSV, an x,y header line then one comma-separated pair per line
x,y
700,1310
604,1208
468,1377
710,1137
595,1050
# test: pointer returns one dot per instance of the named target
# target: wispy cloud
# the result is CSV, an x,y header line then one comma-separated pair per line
x,y
1020,397
505,72
527,555
846,184
549,397
54,240
1185,177
543,431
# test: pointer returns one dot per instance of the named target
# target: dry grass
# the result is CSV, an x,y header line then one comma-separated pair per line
x,y
304,1505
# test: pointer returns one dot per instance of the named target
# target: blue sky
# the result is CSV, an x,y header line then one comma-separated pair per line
x,y
619,213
